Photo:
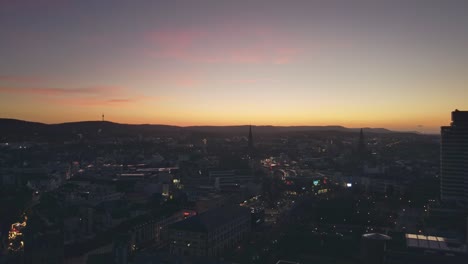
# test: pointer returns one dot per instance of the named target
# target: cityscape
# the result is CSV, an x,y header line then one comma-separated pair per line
x,y
233,132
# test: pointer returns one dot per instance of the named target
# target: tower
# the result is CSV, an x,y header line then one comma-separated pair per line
x,y
102,117
361,149
250,146
362,143
454,159
250,138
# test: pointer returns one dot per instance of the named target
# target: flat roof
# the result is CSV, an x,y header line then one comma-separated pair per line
x,y
211,219
435,243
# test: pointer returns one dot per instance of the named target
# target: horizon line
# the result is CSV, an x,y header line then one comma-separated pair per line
x,y
159,124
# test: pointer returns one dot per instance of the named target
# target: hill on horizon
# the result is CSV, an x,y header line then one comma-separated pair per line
x,y
14,128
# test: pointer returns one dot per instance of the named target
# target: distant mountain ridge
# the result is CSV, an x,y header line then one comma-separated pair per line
x,y
16,128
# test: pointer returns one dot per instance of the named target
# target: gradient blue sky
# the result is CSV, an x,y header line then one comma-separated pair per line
x,y
396,64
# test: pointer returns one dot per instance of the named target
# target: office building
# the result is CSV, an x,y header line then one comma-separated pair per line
x,y
454,160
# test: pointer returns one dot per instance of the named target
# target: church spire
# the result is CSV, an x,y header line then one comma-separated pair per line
x,y
361,139
250,148
250,138
362,145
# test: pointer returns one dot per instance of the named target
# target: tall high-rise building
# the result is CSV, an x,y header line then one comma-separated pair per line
x,y
454,159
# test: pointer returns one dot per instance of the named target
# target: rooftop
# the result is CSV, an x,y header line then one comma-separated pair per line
x,y
376,236
459,117
435,243
211,219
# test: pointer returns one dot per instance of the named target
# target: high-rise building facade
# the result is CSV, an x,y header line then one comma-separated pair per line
x,y
454,159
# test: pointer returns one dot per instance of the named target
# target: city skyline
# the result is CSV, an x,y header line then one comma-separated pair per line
x,y
227,132
399,65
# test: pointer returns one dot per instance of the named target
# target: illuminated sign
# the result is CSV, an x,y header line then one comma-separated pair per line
x,y
316,183
349,184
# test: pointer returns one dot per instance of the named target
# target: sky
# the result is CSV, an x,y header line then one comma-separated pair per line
x,y
397,64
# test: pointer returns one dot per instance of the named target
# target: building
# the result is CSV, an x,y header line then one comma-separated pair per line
x,y
153,230
137,235
454,159
43,241
373,248
210,233
211,201
422,249
435,243
228,179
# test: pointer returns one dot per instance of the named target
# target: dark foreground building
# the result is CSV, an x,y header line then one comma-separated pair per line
x,y
454,160
43,242
422,249
210,233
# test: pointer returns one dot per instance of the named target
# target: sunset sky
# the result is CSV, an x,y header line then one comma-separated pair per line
x,y
397,64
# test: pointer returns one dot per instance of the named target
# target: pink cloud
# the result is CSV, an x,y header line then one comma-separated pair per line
x,y
178,79
91,102
285,55
81,101
251,81
175,44
76,102
87,96
186,82
47,91
246,57
22,79
233,46
119,101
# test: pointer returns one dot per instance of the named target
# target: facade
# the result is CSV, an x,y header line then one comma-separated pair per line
x,y
43,242
421,249
211,201
210,233
153,231
228,178
454,159
373,248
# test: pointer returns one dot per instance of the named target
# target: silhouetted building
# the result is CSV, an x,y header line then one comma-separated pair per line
x,y
43,241
121,249
210,233
421,249
226,179
250,143
373,248
454,159
362,143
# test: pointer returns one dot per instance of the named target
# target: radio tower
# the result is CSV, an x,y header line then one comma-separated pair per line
x,y
102,117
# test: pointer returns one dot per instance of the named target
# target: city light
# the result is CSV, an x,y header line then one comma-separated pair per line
x,y
15,236
233,131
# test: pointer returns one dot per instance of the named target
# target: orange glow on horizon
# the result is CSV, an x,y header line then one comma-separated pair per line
x,y
423,124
